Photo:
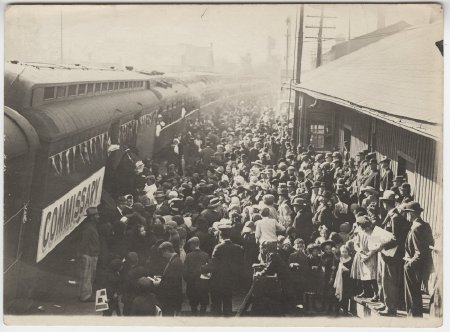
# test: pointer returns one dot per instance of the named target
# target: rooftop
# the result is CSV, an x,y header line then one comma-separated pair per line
x,y
398,79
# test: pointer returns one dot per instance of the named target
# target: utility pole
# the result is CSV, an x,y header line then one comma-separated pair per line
x,y
298,71
61,35
319,40
288,41
320,37
349,27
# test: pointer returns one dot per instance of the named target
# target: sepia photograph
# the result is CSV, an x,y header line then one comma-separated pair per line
x,y
218,164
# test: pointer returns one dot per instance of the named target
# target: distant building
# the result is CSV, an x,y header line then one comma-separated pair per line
x,y
196,58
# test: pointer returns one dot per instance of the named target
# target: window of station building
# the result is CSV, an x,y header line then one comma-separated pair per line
x,y
72,90
132,84
49,92
61,91
122,85
90,88
81,89
317,135
126,85
104,86
98,87
116,85
110,85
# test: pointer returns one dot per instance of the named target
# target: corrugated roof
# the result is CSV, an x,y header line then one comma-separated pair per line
x,y
400,76
54,121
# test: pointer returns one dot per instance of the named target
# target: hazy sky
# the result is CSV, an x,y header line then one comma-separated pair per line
x,y
128,33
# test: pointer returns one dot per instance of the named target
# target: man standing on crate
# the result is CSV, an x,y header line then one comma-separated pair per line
x,y
89,251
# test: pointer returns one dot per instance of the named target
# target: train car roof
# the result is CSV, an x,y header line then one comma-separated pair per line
x,y
20,136
54,121
36,73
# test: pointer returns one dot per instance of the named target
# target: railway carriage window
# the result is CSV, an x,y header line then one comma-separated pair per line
x,y
81,89
110,85
90,88
104,86
49,93
72,90
98,87
61,91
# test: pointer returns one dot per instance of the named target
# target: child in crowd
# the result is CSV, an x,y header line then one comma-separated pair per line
x,y
299,265
323,231
313,251
343,283
344,231
327,273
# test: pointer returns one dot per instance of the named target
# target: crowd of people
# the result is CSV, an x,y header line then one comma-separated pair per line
x,y
239,207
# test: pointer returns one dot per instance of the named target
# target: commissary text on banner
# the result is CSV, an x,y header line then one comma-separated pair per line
x,y
61,217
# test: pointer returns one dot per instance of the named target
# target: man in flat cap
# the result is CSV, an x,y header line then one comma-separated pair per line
x,y
225,267
89,251
418,259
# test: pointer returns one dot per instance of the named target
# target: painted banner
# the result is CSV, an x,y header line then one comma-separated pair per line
x,y
61,217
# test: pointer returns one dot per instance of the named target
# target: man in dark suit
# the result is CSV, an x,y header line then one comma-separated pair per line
x,y
170,293
418,259
197,289
225,267
387,175
373,179
391,265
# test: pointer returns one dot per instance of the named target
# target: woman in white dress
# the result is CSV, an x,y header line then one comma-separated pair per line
x,y
364,266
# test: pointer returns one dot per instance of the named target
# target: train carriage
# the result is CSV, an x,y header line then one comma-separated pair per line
x,y
21,143
87,123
